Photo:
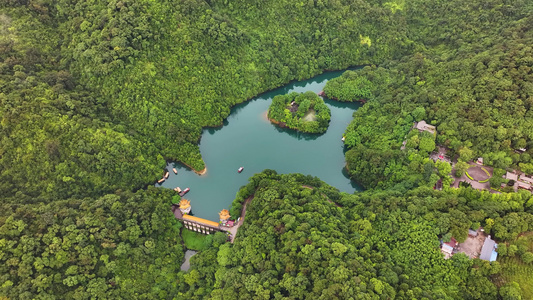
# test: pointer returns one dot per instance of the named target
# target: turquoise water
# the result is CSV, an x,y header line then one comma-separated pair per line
x,y
249,140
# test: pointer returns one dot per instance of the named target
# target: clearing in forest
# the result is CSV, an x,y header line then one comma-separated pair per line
x,y
310,115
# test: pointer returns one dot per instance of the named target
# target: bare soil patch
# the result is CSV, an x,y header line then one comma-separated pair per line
x,y
310,116
472,246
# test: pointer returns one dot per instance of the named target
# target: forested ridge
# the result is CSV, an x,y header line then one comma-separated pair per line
x,y
302,239
116,86
96,96
475,88
116,246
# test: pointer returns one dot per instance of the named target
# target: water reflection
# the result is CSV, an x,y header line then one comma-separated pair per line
x,y
298,134
249,140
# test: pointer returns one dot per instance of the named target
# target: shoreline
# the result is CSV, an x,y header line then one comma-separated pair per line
x,y
274,121
264,116
201,172
363,101
356,67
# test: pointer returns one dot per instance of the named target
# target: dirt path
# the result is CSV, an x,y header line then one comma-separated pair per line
x,y
233,230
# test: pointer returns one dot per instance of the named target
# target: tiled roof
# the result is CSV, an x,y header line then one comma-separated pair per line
x,y
200,220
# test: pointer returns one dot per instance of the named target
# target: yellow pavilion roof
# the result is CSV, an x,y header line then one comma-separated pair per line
x,y
184,203
224,214
200,220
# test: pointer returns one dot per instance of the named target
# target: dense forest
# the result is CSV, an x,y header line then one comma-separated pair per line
x,y
304,112
305,240
96,97
117,246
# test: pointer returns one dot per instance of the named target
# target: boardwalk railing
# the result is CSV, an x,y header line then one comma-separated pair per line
x,y
197,224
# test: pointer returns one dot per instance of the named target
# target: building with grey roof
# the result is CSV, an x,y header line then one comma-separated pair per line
x,y
423,126
488,251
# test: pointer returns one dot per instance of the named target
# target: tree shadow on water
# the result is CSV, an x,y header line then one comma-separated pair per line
x,y
355,185
297,134
213,130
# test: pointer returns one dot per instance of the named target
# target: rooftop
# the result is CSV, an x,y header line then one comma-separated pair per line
x,y
523,185
526,179
184,203
487,249
200,220
224,214
447,249
511,176
423,126
452,243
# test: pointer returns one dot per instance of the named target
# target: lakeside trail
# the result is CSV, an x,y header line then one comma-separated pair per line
x,y
233,230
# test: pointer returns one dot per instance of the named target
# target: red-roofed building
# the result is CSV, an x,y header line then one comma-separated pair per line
x,y
452,243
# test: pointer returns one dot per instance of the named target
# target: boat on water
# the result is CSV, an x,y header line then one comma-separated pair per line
x,y
166,175
240,169
177,189
175,171
161,180
343,138
185,191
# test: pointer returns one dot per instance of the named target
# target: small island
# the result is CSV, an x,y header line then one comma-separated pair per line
x,y
305,112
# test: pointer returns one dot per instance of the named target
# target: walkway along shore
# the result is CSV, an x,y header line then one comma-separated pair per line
x,y
233,230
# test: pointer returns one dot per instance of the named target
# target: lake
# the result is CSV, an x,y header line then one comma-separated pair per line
x,y
249,140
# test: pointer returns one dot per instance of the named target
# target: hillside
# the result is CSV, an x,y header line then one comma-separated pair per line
x,y
96,97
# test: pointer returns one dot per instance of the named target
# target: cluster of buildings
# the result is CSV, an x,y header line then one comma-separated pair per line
x,y
477,245
521,181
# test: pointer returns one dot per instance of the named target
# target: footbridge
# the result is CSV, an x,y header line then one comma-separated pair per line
x,y
197,224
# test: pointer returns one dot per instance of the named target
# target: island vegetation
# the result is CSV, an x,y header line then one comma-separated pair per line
x,y
304,112
97,96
